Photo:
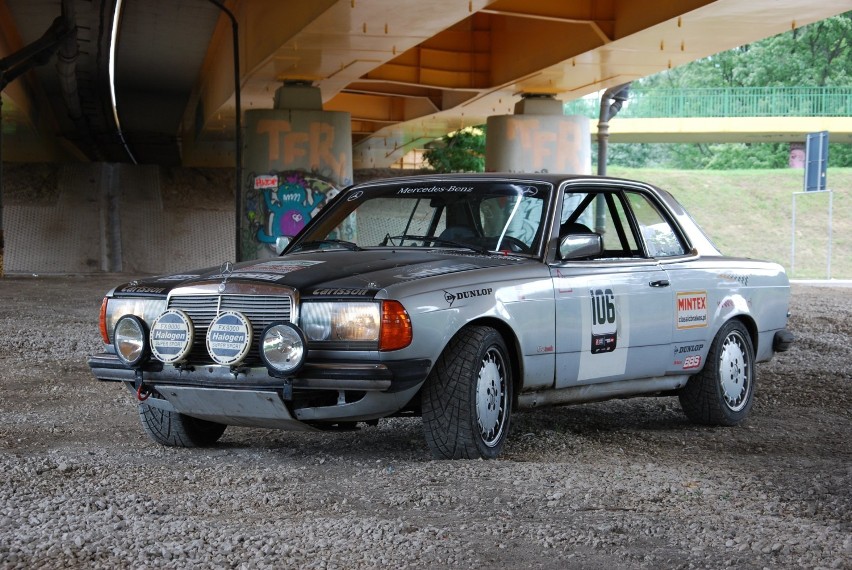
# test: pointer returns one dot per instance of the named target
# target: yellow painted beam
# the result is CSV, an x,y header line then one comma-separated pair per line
x,y
727,129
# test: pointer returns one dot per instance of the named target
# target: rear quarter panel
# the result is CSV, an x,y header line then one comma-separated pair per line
x,y
708,292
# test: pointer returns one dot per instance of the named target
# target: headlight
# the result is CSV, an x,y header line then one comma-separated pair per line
x,y
282,348
115,308
344,321
385,324
129,339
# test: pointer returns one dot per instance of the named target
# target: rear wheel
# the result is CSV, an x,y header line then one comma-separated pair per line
x,y
467,398
723,392
178,430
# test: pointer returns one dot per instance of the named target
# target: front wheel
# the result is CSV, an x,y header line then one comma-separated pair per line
x,y
723,392
174,429
467,399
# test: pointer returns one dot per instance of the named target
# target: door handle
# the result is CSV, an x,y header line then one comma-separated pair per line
x,y
660,283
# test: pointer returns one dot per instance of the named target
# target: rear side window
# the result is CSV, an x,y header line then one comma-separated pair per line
x,y
660,238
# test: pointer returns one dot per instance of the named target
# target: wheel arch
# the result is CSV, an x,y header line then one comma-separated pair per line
x,y
750,325
514,348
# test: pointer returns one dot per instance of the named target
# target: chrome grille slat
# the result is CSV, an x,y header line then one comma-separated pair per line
x,y
261,311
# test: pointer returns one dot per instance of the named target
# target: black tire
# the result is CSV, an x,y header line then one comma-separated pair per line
x,y
723,392
467,398
174,429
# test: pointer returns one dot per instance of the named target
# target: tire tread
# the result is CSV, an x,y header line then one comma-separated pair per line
x,y
701,398
174,429
447,407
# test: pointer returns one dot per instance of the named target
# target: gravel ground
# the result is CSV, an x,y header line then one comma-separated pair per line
x,y
624,484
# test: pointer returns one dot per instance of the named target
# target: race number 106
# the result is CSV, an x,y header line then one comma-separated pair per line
x,y
603,306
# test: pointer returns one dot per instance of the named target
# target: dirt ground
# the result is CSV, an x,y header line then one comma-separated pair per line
x,y
622,484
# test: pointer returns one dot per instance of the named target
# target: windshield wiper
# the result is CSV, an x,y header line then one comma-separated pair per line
x,y
432,240
318,243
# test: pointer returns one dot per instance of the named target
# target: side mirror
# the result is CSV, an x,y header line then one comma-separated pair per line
x,y
580,246
281,243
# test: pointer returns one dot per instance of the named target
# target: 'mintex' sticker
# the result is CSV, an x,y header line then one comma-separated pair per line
x,y
691,309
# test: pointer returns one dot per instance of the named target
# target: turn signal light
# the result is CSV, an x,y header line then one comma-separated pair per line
x,y
396,326
102,321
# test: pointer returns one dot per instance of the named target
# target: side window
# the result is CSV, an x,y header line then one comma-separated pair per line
x,y
604,214
660,238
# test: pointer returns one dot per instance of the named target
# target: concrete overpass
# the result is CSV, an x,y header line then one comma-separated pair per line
x,y
407,71
153,83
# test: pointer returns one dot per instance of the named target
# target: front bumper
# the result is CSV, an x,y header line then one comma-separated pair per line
x,y
322,392
368,376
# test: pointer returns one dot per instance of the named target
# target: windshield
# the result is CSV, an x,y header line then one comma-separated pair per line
x,y
484,216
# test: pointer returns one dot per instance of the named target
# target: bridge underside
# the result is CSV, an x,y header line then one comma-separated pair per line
x,y
407,71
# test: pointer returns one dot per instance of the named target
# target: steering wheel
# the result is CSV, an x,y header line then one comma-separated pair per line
x,y
515,245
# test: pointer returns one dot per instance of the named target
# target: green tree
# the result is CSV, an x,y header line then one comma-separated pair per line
x,y
817,55
461,151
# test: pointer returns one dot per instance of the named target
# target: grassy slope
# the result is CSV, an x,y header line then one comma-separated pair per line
x,y
748,213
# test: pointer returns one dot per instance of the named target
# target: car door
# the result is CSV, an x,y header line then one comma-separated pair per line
x,y
613,310
690,283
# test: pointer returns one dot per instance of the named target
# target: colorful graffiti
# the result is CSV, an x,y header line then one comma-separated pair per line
x,y
281,204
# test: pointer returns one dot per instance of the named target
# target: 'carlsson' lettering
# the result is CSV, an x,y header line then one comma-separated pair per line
x,y
142,290
343,291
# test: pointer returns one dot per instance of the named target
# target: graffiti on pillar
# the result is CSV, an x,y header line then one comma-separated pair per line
x,y
282,203
539,144
312,145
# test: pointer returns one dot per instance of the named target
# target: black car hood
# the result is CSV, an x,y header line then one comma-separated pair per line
x,y
322,273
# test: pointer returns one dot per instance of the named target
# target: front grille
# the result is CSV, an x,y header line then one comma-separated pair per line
x,y
260,310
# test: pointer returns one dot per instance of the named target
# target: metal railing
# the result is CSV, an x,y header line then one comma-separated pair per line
x,y
727,102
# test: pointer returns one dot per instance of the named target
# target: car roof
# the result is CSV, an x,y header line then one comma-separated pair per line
x,y
545,177
699,240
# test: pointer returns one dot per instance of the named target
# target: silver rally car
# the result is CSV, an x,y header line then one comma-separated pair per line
x,y
460,299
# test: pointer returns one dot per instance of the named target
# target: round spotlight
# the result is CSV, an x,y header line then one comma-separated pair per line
x,y
129,339
282,348
171,337
229,338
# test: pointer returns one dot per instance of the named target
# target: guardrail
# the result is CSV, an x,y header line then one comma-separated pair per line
x,y
727,102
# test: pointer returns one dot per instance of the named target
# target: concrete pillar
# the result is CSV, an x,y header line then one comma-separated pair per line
x,y
297,157
538,138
